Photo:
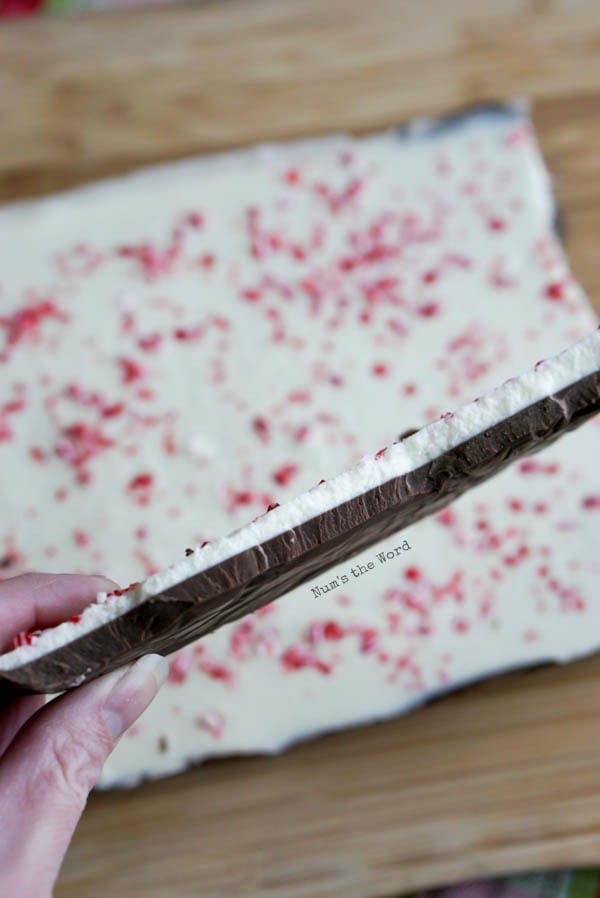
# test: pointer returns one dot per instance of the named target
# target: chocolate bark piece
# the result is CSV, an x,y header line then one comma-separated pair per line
x,y
189,609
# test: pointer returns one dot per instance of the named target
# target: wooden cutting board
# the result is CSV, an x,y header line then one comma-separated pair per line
x,y
503,776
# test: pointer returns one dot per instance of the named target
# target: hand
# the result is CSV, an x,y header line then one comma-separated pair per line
x,y
51,755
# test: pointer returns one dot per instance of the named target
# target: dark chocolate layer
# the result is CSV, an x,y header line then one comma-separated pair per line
x,y
240,584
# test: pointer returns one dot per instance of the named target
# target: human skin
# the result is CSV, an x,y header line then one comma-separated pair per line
x,y
51,754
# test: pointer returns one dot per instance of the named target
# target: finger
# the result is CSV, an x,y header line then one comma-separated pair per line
x,y
14,715
33,601
36,601
48,771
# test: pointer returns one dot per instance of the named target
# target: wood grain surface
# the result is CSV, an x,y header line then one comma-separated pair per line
x,y
503,776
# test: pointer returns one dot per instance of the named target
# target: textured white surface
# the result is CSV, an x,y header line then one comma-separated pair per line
x,y
334,294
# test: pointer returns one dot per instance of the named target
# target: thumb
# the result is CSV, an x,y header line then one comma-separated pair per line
x,y
56,759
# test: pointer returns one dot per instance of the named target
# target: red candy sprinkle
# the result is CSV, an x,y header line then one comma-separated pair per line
x,y
213,722
169,443
332,630
150,342
301,396
25,322
112,411
299,658
80,538
251,294
428,309
338,201
284,474
531,466
243,497
141,481
590,502
188,333
216,671
555,291
27,637
155,261
130,370
195,220
380,369
369,639
140,486
261,427
242,638
79,443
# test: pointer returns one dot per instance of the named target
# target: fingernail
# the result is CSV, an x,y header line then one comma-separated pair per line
x,y
133,692
104,584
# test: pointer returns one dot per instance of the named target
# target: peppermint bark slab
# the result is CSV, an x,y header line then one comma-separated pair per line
x,y
183,346
303,538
